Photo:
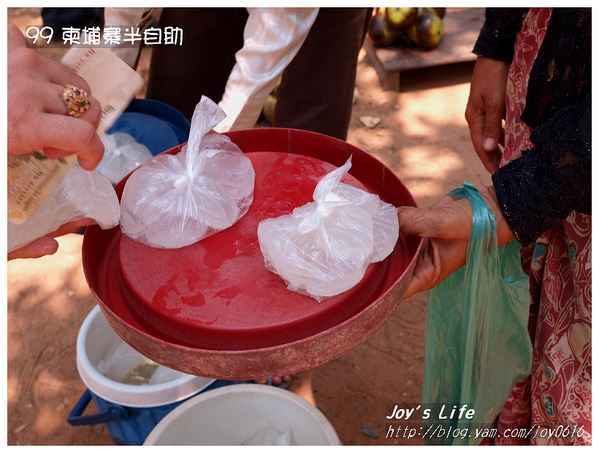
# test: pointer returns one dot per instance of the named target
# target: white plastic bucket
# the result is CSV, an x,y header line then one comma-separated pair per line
x,y
95,338
244,414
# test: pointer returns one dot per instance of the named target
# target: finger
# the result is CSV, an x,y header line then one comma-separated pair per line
x,y
476,121
492,128
450,219
476,136
72,227
16,39
419,221
414,287
492,136
55,153
94,113
69,134
475,118
454,256
53,103
445,200
423,271
36,249
491,160
62,75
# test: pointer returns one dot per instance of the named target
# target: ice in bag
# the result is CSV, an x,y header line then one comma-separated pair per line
x,y
80,194
176,200
324,247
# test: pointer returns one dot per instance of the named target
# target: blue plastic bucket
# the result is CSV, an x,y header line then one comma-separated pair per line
x,y
154,124
130,412
127,425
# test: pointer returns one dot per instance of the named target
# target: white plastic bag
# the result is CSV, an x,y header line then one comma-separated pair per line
x,y
122,155
122,363
324,247
176,200
80,194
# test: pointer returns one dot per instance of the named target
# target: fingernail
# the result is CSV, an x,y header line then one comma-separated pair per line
x,y
489,144
49,247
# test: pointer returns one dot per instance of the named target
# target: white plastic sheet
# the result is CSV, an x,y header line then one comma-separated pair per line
x,y
80,194
176,200
324,247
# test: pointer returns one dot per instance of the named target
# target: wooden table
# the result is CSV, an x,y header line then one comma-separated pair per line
x,y
462,26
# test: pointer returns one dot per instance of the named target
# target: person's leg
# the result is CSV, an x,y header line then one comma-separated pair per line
x,y
317,87
180,75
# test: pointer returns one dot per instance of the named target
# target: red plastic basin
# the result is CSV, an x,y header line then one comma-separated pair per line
x,y
213,309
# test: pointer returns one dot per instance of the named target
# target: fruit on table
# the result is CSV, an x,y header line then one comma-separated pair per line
x,y
412,35
401,18
440,12
422,27
429,30
381,33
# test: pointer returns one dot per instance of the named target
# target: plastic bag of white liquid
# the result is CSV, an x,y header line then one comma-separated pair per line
x,y
122,155
324,247
176,200
80,194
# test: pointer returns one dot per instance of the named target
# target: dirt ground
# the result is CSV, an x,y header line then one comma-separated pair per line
x,y
422,136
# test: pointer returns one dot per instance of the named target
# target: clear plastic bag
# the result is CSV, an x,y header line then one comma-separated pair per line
x,y
124,364
477,340
80,194
121,362
324,247
122,155
176,200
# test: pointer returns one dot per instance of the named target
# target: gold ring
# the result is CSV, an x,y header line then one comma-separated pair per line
x,y
76,100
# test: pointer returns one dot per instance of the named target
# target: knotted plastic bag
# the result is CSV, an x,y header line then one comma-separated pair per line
x,y
477,341
80,194
176,200
122,155
324,247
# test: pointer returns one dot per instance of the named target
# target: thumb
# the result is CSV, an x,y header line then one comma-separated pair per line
x,y
418,221
36,249
492,129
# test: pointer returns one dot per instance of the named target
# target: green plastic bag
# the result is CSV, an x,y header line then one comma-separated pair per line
x,y
477,341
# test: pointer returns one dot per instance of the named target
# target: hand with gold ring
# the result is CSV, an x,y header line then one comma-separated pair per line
x,y
50,108
76,100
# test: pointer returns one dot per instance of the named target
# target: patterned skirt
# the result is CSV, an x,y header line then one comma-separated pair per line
x,y
558,392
